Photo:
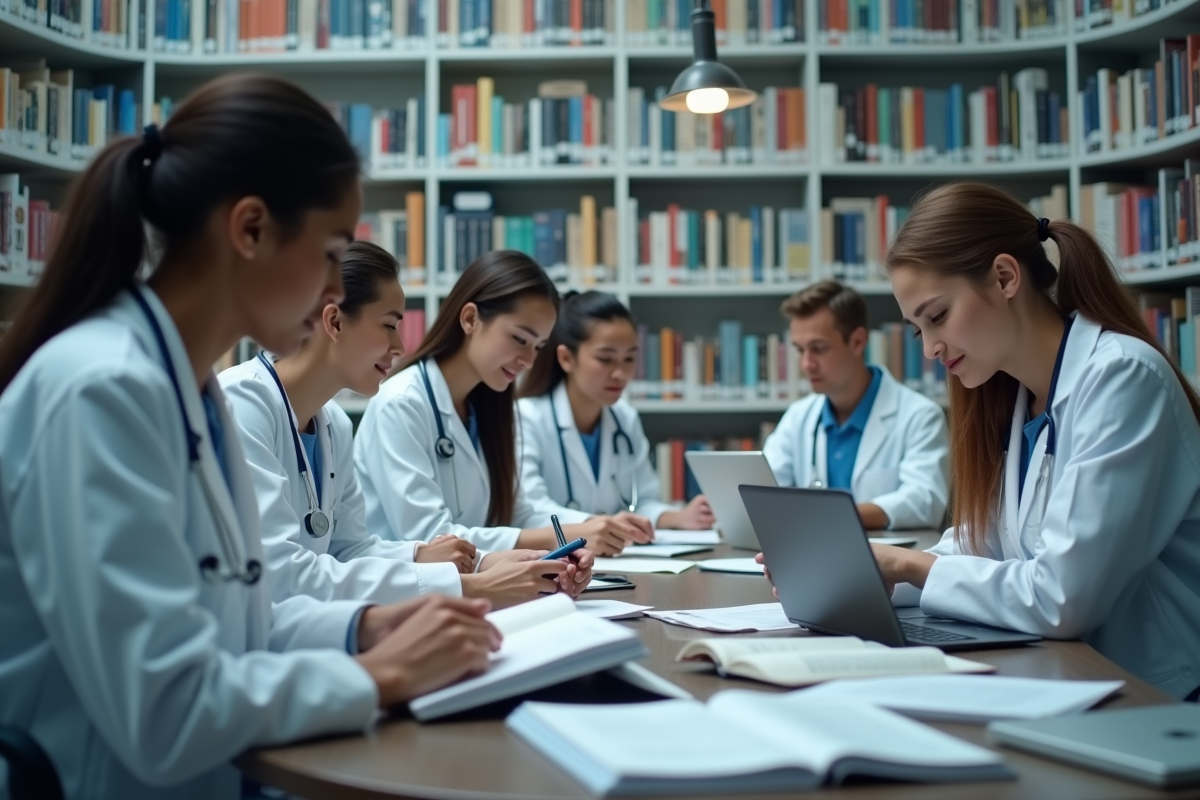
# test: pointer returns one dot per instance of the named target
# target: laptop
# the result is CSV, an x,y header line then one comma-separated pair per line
x,y
820,558
719,475
1155,745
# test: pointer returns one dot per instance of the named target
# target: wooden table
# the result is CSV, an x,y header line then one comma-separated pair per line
x,y
481,760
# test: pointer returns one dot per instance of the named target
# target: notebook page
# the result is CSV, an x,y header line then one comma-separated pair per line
x,y
801,669
527,615
818,734
727,650
669,536
661,550
633,566
756,617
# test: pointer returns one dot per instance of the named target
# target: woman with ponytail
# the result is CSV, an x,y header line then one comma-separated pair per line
x,y
583,450
1075,444
141,648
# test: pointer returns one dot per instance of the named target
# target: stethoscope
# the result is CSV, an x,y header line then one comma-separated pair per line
x,y
1041,497
443,446
816,482
619,435
210,565
316,521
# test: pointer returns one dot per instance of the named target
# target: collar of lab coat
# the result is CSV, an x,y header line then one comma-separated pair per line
x,y
227,504
453,425
1081,341
879,423
581,465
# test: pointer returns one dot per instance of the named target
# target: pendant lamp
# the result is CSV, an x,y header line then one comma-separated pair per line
x,y
707,86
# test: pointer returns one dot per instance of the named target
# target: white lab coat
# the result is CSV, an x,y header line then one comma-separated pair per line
x,y
543,476
902,459
140,679
1116,560
346,563
410,492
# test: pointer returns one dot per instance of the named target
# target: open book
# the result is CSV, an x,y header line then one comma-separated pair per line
x,y
741,742
797,661
546,641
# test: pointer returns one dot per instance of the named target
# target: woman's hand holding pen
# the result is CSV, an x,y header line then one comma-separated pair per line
x,y
607,535
448,547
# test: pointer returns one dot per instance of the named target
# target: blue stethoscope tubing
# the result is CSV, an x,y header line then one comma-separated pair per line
x,y
316,521
443,446
619,435
210,565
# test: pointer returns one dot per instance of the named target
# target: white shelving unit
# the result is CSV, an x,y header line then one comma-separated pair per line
x,y
340,75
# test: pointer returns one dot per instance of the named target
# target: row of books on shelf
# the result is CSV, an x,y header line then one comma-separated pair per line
x,y
771,130
651,23
576,246
1175,322
385,138
526,23
1091,14
900,22
1019,118
108,23
738,366
43,111
1145,104
26,231
563,125
1147,226
689,246
401,232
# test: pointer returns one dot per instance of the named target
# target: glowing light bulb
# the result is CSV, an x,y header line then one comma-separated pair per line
x,y
707,101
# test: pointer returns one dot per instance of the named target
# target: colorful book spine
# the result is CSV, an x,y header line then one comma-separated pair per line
x,y
650,23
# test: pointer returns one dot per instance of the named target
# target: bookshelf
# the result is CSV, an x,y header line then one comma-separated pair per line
x,y
1067,49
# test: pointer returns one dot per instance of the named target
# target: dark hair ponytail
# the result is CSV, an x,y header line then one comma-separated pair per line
x,y
578,314
237,136
366,267
495,282
960,229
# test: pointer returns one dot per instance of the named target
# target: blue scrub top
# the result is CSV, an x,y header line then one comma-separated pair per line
x,y
473,427
591,444
217,434
314,458
842,441
1032,430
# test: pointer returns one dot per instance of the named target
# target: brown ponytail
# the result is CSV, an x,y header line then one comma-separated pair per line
x,y
960,229
238,136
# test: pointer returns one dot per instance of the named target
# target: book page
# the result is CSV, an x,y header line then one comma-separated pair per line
x,y
736,619
527,615
669,536
725,651
819,733
803,669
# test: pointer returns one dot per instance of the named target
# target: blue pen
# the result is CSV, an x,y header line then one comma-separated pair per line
x,y
565,550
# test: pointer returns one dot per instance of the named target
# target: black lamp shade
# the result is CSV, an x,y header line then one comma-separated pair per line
x,y
706,72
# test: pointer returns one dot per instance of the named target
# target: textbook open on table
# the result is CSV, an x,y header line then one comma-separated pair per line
x,y
546,641
741,742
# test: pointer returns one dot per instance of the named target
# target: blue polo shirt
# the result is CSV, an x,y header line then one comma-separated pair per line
x,y
591,445
841,441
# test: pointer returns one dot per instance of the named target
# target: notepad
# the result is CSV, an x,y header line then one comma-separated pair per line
x,y
742,742
670,536
742,565
610,609
795,661
662,550
546,641
970,698
736,619
641,565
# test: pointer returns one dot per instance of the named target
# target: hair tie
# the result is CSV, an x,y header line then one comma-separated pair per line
x,y
152,143
1043,229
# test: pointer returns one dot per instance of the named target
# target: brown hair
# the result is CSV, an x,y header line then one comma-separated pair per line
x,y
960,229
847,306
495,282
238,136
578,314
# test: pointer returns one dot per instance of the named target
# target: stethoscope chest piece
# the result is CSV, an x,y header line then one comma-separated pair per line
x,y
444,446
316,523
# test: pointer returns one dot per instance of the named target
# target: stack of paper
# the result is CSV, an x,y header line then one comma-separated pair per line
x,y
738,619
662,550
969,698
743,565
628,565
669,536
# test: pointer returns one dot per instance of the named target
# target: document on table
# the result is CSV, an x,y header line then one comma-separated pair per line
x,y
969,698
631,566
894,541
736,619
662,550
670,536
743,565
610,609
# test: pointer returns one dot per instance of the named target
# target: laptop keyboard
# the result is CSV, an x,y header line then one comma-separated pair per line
x,y
919,633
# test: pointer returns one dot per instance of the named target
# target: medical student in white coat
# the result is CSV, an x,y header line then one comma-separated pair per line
x,y
1077,448
140,646
298,444
583,450
436,451
860,430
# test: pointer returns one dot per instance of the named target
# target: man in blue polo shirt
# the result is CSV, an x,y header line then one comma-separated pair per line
x,y
860,430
